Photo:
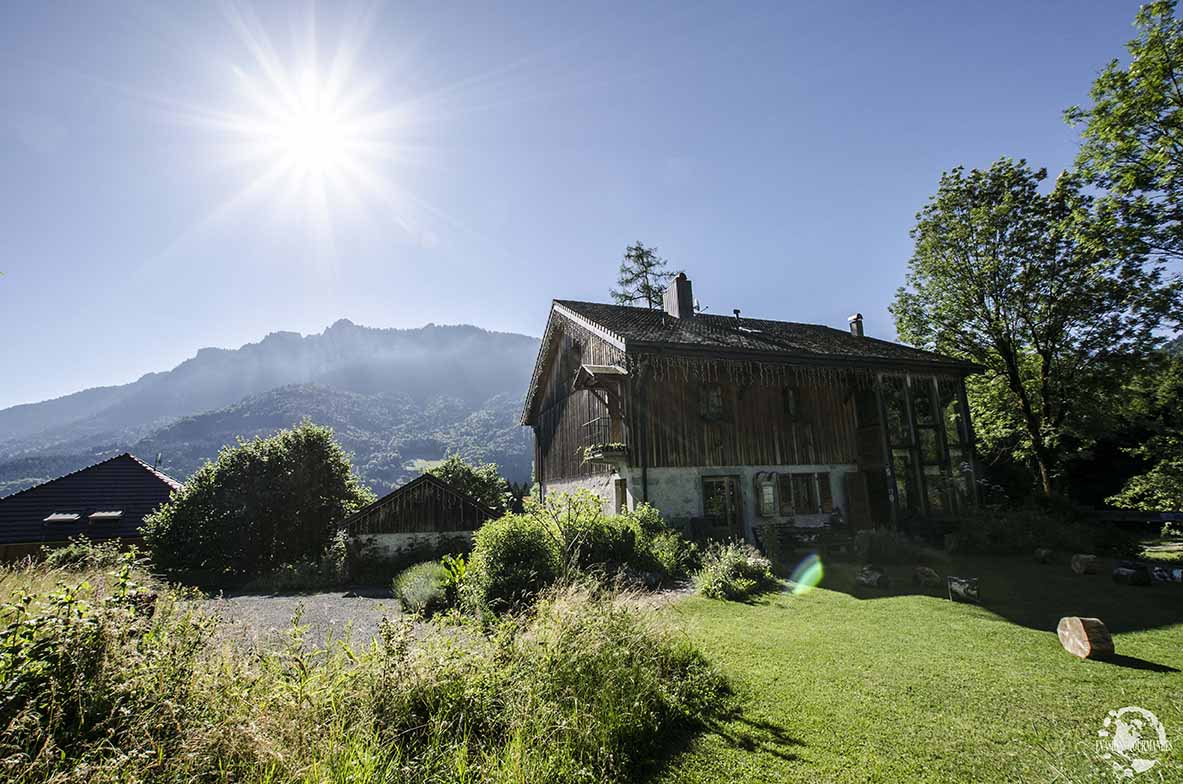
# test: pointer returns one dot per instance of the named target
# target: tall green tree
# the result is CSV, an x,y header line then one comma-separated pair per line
x,y
643,278
1036,288
482,482
1132,134
260,504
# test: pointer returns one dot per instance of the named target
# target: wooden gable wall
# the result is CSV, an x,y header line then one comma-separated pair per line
x,y
419,507
564,412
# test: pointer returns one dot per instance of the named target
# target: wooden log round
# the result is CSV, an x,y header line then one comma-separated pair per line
x,y
964,589
1086,638
1083,563
1137,574
873,577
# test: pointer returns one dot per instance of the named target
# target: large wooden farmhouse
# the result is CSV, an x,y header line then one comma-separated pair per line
x,y
731,421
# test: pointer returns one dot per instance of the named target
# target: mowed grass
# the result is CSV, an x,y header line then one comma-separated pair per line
x,y
857,685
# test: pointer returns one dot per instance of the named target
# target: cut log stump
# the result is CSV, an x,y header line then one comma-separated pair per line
x,y
964,589
1084,564
1086,638
922,575
872,577
1043,555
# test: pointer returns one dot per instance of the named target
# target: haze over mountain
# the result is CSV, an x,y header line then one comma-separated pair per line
x,y
396,397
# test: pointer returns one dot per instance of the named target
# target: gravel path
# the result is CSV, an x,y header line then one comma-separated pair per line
x,y
265,621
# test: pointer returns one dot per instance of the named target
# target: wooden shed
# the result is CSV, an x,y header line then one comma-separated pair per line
x,y
421,512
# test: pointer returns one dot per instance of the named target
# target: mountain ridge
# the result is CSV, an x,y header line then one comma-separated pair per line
x,y
368,381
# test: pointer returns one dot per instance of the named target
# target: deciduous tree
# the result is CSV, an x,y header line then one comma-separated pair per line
x,y
482,482
260,504
1039,289
1132,145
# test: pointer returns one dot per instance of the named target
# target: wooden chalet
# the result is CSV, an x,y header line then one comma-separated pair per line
x,y
732,422
106,501
425,505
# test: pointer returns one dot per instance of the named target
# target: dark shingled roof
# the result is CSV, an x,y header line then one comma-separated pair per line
x,y
640,328
123,483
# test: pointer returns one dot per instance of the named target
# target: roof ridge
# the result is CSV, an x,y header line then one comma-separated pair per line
x,y
164,477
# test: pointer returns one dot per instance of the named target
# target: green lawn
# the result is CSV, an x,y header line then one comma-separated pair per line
x,y
842,685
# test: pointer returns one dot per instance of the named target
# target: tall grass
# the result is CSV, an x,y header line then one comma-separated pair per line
x,y
111,679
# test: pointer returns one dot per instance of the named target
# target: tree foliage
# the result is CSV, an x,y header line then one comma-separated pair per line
x,y
260,504
1132,145
1041,290
643,278
482,482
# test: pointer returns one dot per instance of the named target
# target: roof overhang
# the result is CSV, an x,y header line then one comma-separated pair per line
x,y
596,376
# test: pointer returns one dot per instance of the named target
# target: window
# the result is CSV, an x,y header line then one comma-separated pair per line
x,y
799,494
790,398
105,517
825,494
712,407
767,499
63,517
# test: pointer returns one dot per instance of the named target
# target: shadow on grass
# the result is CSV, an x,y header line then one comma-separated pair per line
x,y
735,730
1134,663
1030,594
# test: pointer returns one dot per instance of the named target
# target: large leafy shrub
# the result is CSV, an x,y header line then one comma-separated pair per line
x,y
513,559
81,553
261,504
734,571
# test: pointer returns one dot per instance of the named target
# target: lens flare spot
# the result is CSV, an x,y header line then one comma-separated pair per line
x,y
806,575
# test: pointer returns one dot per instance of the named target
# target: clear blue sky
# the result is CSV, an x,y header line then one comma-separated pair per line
x,y
498,158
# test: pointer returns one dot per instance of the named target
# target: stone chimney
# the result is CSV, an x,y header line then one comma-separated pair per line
x,y
679,299
856,324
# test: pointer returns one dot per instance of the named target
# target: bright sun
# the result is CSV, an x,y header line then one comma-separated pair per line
x,y
315,136
313,141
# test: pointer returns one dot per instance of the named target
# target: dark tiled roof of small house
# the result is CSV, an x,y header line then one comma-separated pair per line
x,y
640,328
85,503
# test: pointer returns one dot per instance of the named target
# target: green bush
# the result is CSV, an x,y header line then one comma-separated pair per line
x,y
676,556
421,588
734,571
513,559
259,505
81,553
1172,530
95,671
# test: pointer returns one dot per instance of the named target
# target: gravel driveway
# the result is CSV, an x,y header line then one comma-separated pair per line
x,y
265,621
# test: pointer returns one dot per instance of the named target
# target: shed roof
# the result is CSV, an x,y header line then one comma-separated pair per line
x,y
123,483
408,487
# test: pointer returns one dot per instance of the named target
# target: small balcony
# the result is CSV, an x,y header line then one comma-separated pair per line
x,y
603,442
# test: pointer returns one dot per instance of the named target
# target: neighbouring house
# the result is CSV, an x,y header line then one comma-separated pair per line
x,y
426,514
106,501
729,422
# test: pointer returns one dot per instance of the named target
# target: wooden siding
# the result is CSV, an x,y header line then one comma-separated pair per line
x,y
564,413
754,426
422,505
